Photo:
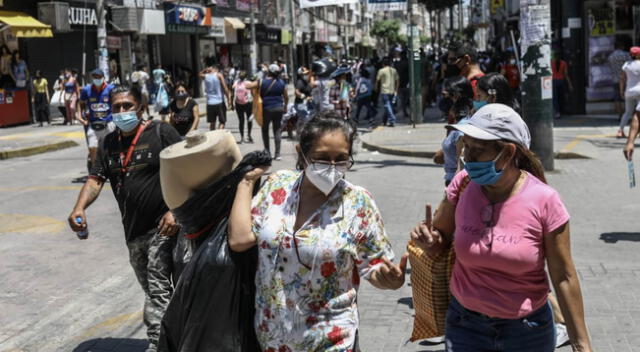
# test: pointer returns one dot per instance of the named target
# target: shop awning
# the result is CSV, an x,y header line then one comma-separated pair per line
x,y
22,25
235,23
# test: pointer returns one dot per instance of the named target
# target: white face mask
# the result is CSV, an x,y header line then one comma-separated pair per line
x,y
324,176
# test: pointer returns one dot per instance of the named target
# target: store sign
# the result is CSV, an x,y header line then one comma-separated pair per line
x,y
217,27
114,43
265,34
82,16
188,19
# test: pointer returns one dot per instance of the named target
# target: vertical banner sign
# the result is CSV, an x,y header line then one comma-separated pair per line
x,y
387,5
316,3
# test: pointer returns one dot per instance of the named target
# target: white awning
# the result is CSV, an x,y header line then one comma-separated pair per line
x,y
235,23
151,21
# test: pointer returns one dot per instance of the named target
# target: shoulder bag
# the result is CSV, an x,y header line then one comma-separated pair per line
x,y
430,277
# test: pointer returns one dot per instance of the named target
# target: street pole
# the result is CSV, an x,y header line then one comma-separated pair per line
x,y
292,44
537,84
415,68
103,55
460,14
253,48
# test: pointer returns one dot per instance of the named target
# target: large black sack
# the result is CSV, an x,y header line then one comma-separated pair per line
x,y
212,307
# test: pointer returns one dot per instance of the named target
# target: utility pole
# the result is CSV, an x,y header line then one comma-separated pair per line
x,y
460,14
253,47
103,55
292,44
415,68
537,84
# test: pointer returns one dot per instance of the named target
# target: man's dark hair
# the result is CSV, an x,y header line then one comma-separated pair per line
x,y
324,122
386,61
126,89
364,73
462,49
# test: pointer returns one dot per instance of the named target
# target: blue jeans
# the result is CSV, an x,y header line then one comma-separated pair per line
x,y
468,331
389,117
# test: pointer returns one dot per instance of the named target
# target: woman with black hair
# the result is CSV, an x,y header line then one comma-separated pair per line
x,y
317,235
274,100
494,88
459,90
41,98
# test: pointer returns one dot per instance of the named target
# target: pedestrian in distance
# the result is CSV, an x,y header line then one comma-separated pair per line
x,y
129,159
561,82
19,71
41,98
216,90
303,100
459,90
317,236
363,95
95,113
616,60
140,79
58,94
243,104
630,88
273,91
463,58
504,223
184,111
387,84
71,94
340,92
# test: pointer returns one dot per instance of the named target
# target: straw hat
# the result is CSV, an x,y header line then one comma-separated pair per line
x,y
199,160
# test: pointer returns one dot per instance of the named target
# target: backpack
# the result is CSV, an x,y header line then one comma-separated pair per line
x,y
242,93
365,89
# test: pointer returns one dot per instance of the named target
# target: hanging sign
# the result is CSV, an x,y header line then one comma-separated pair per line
x,y
387,5
316,3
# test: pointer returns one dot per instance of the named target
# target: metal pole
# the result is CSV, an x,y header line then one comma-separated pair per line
x,y
460,14
415,68
103,56
253,46
292,44
537,84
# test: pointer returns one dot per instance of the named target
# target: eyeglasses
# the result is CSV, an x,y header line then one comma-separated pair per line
x,y
487,218
344,165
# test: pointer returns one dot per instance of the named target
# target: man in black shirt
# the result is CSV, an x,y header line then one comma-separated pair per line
x,y
129,159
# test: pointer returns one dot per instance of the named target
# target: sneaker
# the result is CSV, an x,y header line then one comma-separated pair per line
x,y
241,141
278,157
249,140
434,340
392,125
562,336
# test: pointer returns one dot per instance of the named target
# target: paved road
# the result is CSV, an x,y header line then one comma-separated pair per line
x,y
62,294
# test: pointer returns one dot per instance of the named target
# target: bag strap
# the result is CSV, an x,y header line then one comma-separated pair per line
x,y
270,86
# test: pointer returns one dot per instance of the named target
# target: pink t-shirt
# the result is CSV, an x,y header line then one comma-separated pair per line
x,y
500,269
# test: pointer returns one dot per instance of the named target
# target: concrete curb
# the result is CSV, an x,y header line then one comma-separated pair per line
x,y
16,153
430,154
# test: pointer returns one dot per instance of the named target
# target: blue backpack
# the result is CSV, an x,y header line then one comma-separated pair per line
x,y
365,89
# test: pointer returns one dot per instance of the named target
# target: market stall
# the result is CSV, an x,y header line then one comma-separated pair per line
x,y
14,94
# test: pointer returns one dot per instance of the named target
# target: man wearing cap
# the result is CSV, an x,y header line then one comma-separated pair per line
x,y
129,158
95,112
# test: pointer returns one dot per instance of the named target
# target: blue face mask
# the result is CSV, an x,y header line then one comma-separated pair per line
x,y
483,173
98,82
479,104
126,121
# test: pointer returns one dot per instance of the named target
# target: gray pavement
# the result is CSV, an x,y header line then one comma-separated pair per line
x,y
62,294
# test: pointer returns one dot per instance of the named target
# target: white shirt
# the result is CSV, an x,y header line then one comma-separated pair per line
x,y
632,70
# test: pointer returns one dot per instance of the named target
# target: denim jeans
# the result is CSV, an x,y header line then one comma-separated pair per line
x,y
366,103
389,117
468,331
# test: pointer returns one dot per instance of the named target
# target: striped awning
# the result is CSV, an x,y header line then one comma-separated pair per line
x,y
22,25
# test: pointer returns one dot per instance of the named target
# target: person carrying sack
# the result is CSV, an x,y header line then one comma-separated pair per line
x,y
504,226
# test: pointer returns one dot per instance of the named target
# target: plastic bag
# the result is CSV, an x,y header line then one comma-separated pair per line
x,y
212,307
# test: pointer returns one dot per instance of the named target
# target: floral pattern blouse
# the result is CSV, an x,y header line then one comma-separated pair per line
x,y
307,281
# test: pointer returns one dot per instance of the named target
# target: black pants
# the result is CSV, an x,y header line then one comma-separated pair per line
x,y
42,108
244,112
368,104
272,117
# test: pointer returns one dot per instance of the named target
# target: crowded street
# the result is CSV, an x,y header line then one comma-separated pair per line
x,y
319,176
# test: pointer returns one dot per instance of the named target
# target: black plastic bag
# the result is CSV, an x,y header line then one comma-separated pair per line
x,y
212,307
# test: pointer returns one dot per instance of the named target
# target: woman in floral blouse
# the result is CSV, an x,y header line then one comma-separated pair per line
x,y
317,235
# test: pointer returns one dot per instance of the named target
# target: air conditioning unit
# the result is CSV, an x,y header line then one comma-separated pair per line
x,y
125,19
55,14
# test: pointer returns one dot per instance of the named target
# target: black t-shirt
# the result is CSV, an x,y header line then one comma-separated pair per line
x,y
140,197
304,87
183,117
402,67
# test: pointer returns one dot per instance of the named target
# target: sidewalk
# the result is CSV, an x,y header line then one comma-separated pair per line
x,y
574,137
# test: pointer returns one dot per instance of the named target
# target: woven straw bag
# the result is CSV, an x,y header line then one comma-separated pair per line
x,y
430,277
430,285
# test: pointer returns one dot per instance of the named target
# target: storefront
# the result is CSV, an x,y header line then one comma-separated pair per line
x,y
226,31
16,30
269,41
179,48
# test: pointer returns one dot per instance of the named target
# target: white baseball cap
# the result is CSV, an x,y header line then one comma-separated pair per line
x,y
495,122
273,68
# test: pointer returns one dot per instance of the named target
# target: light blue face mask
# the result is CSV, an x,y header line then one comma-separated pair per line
x,y
477,104
98,82
126,121
483,173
